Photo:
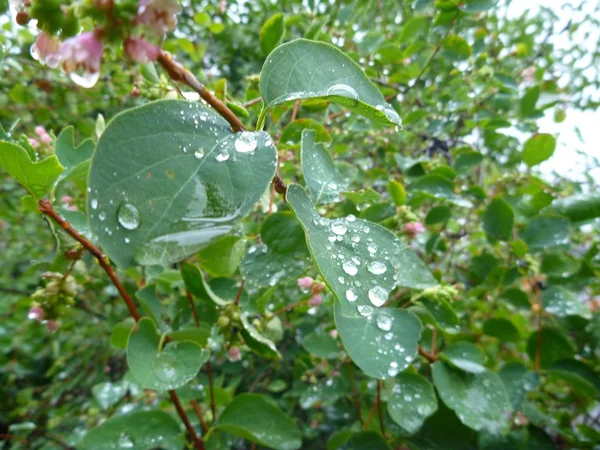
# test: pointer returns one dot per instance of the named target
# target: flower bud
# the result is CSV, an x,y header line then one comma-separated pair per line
x,y
234,354
315,300
305,282
36,313
140,50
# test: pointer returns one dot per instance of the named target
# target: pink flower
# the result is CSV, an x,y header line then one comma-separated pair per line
x,y
46,50
73,208
36,313
40,131
158,15
234,354
414,228
66,199
315,300
305,282
140,50
46,138
333,333
529,73
53,325
34,142
82,53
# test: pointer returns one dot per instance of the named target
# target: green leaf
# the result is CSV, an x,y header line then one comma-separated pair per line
x,y
553,346
578,208
561,302
362,196
271,33
498,220
321,344
304,69
198,334
529,101
70,156
108,394
477,6
456,48
465,356
120,333
397,192
282,233
320,174
370,440
480,400
253,417
412,401
37,177
292,133
578,374
174,366
518,382
195,283
502,329
437,186
169,177
517,298
138,430
325,393
258,343
383,343
443,431
442,314
262,267
538,148
438,214
222,257
544,232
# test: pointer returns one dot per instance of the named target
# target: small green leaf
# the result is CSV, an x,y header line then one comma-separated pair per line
x,y
529,101
253,417
120,333
271,33
561,302
292,133
443,431
172,367
456,48
465,356
222,257
498,220
304,69
502,329
438,214
553,346
195,283
168,178
138,430
480,400
518,381
544,232
258,343
578,208
397,192
262,267
69,155
370,440
321,344
37,177
282,233
320,174
578,374
538,149
477,6
412,401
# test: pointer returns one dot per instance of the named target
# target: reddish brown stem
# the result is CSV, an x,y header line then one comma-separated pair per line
x,y
47,209
213,405
380,413
239,293
367,424
252,102
354,391
428,356
178,73
295,110
287,308
188,294
199,414
197,441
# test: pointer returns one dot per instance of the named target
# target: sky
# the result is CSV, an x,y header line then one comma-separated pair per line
x,y
566,161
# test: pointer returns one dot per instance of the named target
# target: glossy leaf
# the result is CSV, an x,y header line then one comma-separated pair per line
x,y
138,430
292,133
197,285
72,157
169,177
578,374
253,417
502,329
553,346
304,69
578,208
561,302
282,233
222,257
321,344
272,33
465,356
262,267
172,367
321,177
543,232
538,149
518,381
498,220
443,431
412,401
479,400
37,177
258,343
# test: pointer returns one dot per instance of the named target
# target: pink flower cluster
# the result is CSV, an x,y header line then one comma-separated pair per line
x,y
38,314
42,137
81,56
414,228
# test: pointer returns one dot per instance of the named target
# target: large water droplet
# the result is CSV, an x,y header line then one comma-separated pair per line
x,y
94,203
85,79
199,153
338,227
223,155
372,248
245,142
125,441
128,216
384,322
392,116
351,295
365,310
350,268
165,367
376,267
343,90
378,295
393,369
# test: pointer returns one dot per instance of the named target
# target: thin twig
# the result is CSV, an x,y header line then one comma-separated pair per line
x,y
199,414
287,308
354,391
213,405
435,52
190,298
367,424
380,413
178,73
295,110
239,293
252,102
428,356
197,441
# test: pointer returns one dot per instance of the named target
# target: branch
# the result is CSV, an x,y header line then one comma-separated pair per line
x,y
354,391
198,442
428,356
178,73
381,425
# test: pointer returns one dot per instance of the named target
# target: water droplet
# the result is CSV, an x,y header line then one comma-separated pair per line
x,y
341,280
393,370
351,218
339,227
165,367
199,153
94,203
355,238
127,240
245,142
351,295
350,268
376,267
102,215
392,116
372,248
378,295
85,79
125,441
128,216
365,310
343,90
223,155
384,322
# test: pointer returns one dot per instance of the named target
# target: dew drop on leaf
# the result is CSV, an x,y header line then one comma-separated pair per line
x,y
384,322
245,142
351,296
94,203
378,295
365,310
350,268
343,90
223,155
199,153
376,267
128,216
338,227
